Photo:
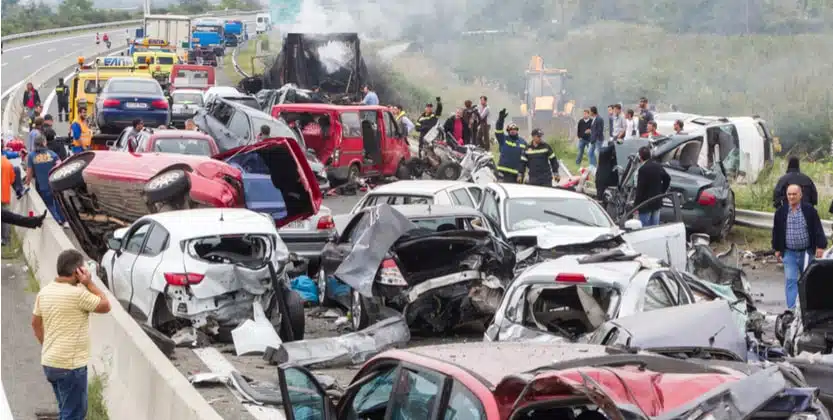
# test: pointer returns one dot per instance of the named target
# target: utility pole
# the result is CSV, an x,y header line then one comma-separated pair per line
x,y
147,7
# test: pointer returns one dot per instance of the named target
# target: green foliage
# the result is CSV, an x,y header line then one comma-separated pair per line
x,y
758,196
96,404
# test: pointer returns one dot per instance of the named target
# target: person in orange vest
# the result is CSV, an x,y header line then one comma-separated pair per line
x,y
8,178
82,136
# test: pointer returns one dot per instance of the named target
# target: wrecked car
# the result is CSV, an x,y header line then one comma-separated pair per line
x,y
546,223
100,191
809,328
571,296
708,203
546,381
170,276
439,265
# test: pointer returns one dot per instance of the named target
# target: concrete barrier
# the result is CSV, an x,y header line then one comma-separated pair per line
x,y
141,383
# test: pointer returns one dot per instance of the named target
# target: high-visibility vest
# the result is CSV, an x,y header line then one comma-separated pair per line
x,y
401,114
86,135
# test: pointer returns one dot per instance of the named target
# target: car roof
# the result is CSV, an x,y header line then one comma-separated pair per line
x,y
533,191
330,107
417,187
494,361
416,211
213,222
616,274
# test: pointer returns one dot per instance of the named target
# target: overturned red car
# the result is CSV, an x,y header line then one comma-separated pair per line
x,y
100,191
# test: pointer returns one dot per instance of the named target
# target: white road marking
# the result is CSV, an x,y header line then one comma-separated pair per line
x,y
50,50
217,363
11,89
26,57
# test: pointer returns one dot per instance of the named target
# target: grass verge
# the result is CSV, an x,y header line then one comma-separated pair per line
x,y
32,282
13,249
244,60
96,405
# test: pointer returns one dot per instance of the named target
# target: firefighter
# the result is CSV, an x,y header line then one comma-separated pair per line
x,y
427,120
62,94
511,148
540,160
82,136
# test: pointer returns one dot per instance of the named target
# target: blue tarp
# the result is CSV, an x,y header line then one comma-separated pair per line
x,y
305,287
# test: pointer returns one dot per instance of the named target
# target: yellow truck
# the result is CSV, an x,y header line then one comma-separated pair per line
x,y
159,62
545,104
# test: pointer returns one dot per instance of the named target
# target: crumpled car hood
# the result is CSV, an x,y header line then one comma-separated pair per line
x,y
550,236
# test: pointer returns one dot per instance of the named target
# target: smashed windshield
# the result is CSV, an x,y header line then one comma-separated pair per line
x,y
566,310
526,213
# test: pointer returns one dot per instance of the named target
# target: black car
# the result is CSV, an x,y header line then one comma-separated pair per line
x,y
707,199
438,265
232,123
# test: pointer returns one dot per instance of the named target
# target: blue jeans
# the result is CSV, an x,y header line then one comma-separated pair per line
x,y
77,149
794,264
582,144
70,387
649,218
591,154
52,205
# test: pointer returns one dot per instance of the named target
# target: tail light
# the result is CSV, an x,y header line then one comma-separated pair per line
x,y
570,278
706,198
183,279
159,104
390,275
325,223
111,103
336,155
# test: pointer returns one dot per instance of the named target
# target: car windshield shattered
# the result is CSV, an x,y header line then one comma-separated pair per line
x,y
251,251
526,213
195,147
569,311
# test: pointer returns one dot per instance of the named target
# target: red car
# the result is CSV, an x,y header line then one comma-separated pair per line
x,y
528,381
100,191
351,140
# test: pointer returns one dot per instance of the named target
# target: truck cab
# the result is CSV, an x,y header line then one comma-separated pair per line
x,y
233,32
159,64
353,141
209,33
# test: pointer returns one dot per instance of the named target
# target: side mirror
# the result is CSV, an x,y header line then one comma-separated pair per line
x,y
110,144
119,233
633,224
114,244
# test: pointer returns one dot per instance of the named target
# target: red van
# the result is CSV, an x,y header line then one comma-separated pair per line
x,y
352,140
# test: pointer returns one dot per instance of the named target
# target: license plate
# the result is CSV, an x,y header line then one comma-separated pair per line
x,y
136,105
298,224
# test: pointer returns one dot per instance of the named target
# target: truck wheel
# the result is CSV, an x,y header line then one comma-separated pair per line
x,y
449,171
402,172
68,176
167,186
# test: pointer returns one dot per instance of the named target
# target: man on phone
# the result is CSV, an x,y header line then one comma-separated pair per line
x,y
61,322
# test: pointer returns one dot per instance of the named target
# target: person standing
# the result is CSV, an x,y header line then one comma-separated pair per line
x,y
645,116
370,97
34,131
541,161
511,147
610,121
583,133
427,120
62,95
678,127
82,136
36,113
651,181
597,134
401,118
60,322
631,126
40,162
794,176
618,124
8,179
797,238
31,98
483,127
457,127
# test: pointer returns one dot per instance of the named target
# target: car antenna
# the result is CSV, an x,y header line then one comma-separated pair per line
x,y
711,339
221,215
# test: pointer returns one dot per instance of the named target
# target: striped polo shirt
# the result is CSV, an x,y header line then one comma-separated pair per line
x,y
65,310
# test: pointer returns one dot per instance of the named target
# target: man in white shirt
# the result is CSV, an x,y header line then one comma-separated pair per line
x,y
618,124
631,126
482,134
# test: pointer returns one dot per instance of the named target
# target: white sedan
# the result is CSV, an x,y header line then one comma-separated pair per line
x,y
168,273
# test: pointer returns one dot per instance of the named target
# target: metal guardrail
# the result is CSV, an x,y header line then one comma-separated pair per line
x,y
57,31
763,220
234,54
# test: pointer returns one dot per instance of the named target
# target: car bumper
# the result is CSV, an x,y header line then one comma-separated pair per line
x,y
306,244
124,119
698,219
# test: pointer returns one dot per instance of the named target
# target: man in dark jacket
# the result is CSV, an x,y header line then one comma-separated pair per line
x,y
541,161
62,95
597,134
797,238
651,181
583,133
794,176
457,127
511,148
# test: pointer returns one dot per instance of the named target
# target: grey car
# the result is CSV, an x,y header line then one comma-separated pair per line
x,y
185,103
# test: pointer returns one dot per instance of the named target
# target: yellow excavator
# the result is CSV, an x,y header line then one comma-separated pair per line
x,y
545,105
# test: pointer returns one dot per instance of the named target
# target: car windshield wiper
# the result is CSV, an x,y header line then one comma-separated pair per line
x,y
570,218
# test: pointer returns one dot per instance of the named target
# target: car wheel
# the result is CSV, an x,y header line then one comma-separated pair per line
x,y
353,174
415,168
729,220
402,171
449,171
167,186
295,317
359,318
323,299
68,176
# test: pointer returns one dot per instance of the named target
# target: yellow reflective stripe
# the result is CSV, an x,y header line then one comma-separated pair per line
x,y
508,170
498,131
536,151
552,156
510,143
523,158
523,146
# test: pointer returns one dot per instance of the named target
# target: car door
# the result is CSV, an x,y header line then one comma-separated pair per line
x,y
121,284
144,269
390,141
490,207
656,295
666,241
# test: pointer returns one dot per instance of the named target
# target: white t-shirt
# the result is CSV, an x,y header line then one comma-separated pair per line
x,y
631,128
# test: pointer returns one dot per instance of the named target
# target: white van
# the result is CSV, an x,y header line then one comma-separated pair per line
x,y
264,23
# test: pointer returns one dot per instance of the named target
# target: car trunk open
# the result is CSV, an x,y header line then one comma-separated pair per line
x,y
287,168
815,288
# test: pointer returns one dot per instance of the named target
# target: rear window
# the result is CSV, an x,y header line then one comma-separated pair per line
x,y
248,250
187,98
352,124
164,60
90,85
392,200
563,309
194,147
147,87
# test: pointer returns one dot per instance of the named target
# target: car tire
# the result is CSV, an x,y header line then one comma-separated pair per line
x,y
295,317
402,171
449,171
360,317
321,280
167,186
68,176
415,168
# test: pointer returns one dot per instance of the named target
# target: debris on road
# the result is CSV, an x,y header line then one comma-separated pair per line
x,y
255,336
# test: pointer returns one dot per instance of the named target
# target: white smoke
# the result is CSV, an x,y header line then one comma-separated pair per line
x,y
334,55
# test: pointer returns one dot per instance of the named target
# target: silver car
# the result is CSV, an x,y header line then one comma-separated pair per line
x,y
186,102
